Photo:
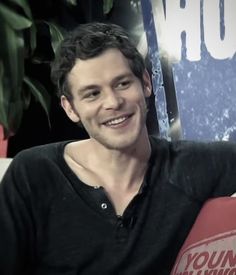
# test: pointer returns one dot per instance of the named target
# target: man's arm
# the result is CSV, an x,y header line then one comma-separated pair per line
x,y
17,233
204,170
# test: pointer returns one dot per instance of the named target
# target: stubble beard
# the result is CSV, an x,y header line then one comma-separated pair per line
x,y
117,144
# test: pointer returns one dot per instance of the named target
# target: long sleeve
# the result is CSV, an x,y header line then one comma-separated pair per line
x,y
17,232
204,170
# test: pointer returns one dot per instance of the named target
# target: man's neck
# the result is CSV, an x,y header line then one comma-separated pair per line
x,y
124,166
120,173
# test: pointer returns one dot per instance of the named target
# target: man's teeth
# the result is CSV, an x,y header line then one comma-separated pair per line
x,y
116,121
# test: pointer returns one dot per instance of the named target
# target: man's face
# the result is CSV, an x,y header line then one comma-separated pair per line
x,y
108,99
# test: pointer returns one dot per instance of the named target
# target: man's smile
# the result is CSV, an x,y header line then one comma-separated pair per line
x,y
117,121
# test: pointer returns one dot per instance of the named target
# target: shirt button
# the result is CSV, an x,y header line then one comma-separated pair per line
x,y
104,206
96,187
121,225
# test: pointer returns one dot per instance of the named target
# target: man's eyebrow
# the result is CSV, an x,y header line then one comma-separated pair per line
x,y
121,77
87,87
94,87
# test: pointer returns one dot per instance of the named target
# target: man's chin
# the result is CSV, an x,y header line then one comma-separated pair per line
x,y
120,144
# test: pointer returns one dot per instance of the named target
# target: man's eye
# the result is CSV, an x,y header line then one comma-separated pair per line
x,y
92,94
124,84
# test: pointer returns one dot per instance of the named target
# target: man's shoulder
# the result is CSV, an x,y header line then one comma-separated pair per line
x,y
39,155
201,148
178,147
45,150
187,155
192,145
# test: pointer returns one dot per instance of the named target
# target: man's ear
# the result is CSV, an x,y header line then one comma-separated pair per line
x,y
147,86
69,109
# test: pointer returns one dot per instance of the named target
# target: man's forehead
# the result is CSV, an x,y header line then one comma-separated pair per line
x,y
111,62
108,54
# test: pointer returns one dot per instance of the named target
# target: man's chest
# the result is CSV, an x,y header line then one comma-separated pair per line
x,y
79,235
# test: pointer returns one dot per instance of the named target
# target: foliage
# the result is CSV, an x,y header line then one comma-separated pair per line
x,y
18,30
107,6
19,49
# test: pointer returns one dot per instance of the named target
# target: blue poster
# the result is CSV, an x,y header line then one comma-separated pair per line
x,y
192,45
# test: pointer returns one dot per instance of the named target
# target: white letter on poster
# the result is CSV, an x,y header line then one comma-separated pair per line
x,y
217,47
177,20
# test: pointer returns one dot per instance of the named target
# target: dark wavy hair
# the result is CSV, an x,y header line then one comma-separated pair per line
x,y
90,40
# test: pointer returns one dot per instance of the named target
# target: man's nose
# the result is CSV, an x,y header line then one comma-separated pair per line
x,y
112,100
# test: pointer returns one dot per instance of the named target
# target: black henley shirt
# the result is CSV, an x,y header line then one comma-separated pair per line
x,y
52,223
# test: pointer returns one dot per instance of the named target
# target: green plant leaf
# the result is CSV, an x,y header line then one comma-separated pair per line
x,y
14,116
40,94
56,35
33,38
24,5
107,6
16,21
71,2
26,8
3,100
12,53
26,96
12,56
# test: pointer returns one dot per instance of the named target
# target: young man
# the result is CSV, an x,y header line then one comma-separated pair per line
x,y
120,202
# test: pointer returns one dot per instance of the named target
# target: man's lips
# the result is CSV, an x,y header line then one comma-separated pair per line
x,y
117,120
